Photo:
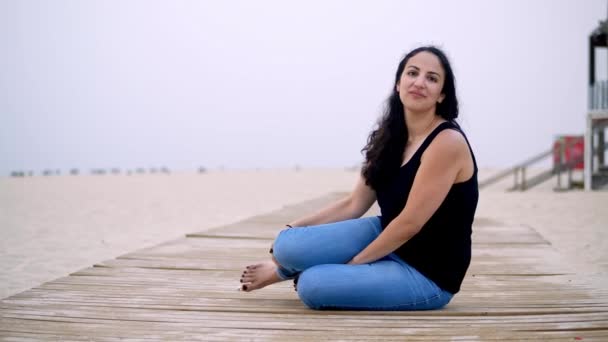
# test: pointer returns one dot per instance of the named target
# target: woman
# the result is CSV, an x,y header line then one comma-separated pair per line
x,y
421,170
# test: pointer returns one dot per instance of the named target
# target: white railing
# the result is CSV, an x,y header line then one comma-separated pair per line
x,y
598,96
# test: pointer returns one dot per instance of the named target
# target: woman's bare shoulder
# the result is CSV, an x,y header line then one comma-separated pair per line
x,y
449,143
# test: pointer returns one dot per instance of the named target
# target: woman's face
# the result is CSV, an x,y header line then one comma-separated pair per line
x,y
421,83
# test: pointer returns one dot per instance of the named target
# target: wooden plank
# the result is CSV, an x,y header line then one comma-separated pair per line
x,y
163,330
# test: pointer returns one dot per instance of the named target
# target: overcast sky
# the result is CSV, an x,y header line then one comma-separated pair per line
x,y
259,84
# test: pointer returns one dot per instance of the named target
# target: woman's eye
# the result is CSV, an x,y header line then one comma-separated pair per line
x,y
412,73
432,79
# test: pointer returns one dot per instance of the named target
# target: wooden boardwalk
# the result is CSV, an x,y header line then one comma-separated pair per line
x,y
517,287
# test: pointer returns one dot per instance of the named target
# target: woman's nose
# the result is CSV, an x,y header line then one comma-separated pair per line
x,y
419,82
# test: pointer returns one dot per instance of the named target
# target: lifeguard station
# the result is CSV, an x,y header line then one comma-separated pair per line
x,y
596,170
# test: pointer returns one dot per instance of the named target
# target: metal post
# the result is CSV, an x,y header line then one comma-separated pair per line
x,y
588,153
558,170
600,148
560,162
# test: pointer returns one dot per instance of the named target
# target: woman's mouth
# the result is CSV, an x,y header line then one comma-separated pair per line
x,y
416,94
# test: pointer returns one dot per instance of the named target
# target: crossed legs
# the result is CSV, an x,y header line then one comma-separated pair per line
x,y
318,255
297,249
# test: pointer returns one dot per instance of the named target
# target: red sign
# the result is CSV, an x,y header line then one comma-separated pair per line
x,y
569,148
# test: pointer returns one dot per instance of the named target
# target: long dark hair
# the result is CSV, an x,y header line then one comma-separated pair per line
x,y
386,144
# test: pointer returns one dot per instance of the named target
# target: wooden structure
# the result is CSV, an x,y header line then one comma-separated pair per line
x,y
522,181
596,169
517,287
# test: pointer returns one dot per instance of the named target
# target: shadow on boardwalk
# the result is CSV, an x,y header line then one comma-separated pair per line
x,y
517,287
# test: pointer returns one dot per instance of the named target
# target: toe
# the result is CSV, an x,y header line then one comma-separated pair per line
x,y
251,286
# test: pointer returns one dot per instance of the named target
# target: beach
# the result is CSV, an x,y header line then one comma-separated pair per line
x,y
52,226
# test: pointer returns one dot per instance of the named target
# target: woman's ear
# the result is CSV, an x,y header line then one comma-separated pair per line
x,y
441,97
397,87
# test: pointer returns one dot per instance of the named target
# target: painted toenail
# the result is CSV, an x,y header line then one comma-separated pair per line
x,y
245,287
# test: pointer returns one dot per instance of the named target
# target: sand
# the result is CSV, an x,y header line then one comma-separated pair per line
x,y
52,226
575,222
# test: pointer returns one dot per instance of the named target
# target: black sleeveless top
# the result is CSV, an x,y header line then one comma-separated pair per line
x,y
442,248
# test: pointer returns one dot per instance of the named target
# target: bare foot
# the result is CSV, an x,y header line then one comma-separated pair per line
x,y
259,275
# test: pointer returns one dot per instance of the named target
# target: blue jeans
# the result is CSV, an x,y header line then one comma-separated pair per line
x,y
317,256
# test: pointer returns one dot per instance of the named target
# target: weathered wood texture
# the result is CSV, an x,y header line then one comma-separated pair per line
x,y
518,287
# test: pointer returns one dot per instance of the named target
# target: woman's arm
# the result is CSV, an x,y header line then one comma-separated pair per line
x,y
440,166
353,206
